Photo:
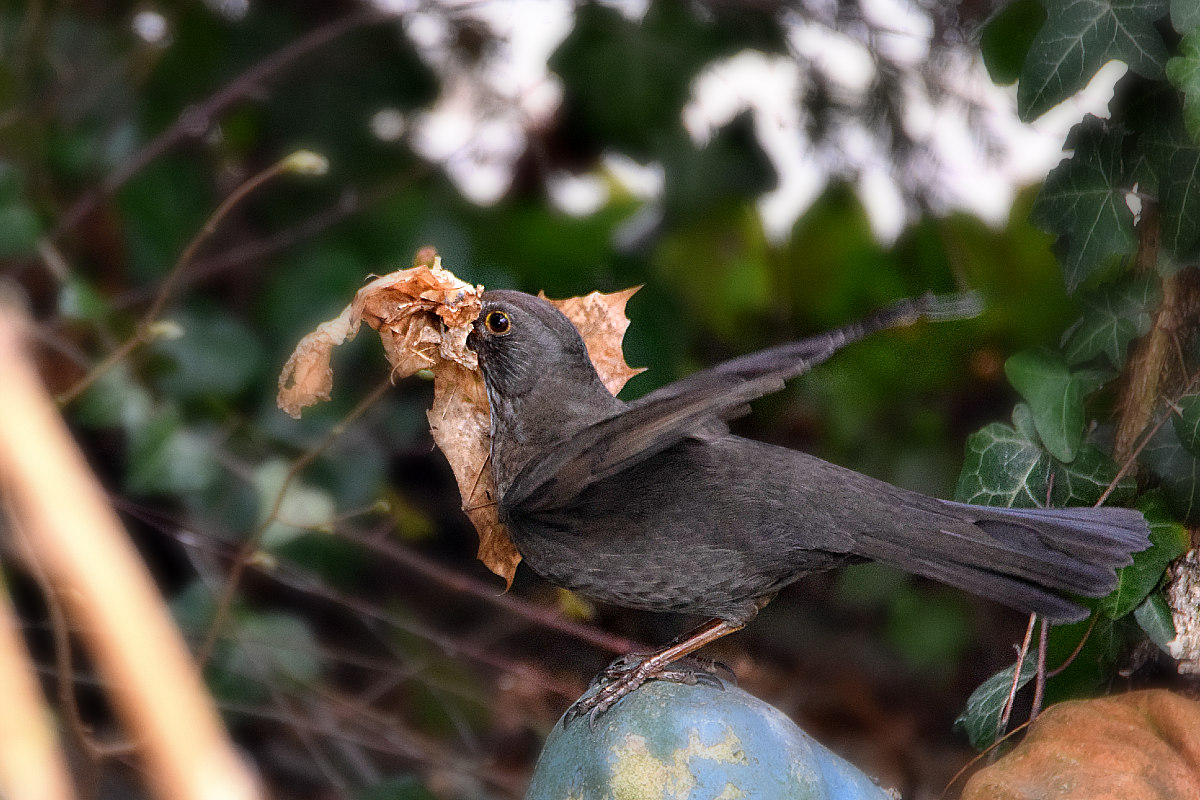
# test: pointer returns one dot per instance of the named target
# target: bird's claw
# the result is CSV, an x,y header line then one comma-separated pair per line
x,y
629,672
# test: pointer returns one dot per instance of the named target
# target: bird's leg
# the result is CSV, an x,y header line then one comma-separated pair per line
x,y
628,673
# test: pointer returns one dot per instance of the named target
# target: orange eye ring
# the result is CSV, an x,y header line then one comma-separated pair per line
x,y
498,323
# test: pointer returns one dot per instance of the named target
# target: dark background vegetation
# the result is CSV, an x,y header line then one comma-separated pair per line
x,y
366,653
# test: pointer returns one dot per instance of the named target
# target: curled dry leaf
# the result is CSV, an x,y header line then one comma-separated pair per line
x,y
423,316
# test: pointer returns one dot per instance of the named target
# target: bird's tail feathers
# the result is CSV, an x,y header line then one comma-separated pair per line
x,y
1025,558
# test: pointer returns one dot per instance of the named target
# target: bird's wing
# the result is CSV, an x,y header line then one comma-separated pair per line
x,y
698,406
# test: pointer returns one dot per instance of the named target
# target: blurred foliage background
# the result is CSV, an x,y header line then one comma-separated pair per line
x,y
365,653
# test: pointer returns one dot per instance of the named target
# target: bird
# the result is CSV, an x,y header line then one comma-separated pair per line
x,y
654,504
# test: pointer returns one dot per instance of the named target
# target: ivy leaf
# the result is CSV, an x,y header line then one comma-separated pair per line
x,y
625,82
1082,201
1177,470
282,644
1086,478
1113,316
20,229
1176,160
166,457
731,166
116,399
1022,418
1005,466
981,718
1187,424
1007,37
1155,618
1185,15
1168,541
1184,73
1079,37
1054,395
216,356
1002,468
303,508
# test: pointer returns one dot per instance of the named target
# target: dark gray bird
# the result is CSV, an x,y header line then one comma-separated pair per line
x,y
653,504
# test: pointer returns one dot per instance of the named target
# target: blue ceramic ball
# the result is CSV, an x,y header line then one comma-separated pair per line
x,y
680,742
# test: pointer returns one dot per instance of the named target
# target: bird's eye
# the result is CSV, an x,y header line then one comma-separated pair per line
x,y
498,323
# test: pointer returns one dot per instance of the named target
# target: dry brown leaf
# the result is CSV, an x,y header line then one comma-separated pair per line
x,y
423,316
601,321
461,426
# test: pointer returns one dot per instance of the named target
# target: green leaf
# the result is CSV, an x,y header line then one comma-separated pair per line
x,y
78,299
400,788
1054,395
168,458
303,508
20,229
1185,15
1002,468
1187,423
282,644
981,718
1005,466
1086,478
1007,37
1113,316
1184,73
1177,470
193,608
1168,541
115,400
216,356
1090,380
731,166
1173,160
1079,37
1022,418
1083,200
625,82
1155,618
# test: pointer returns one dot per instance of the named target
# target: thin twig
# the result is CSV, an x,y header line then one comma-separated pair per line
x,y
1074,653
1016,681
145,330
1132,458
350,203
196,120
80,542
985,753
461,582
259,663
378,739
250,546
1039,686
311,584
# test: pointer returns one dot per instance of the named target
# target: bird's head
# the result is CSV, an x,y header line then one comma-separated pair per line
x,y
523,341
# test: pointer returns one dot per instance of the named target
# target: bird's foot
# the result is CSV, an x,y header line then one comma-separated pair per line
x,y
627,673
